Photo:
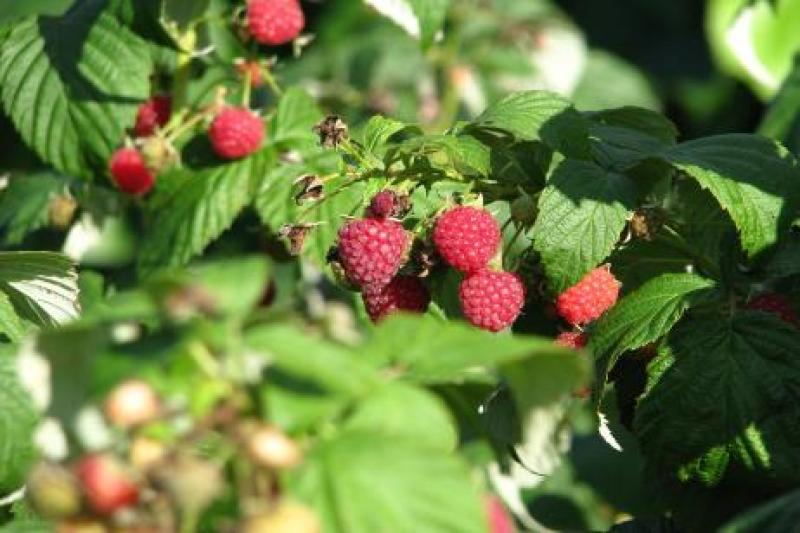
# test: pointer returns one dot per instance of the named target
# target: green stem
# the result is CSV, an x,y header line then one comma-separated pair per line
x,y
180,82
271,82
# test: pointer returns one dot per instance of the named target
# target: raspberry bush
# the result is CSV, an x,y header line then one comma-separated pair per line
x,y
241,290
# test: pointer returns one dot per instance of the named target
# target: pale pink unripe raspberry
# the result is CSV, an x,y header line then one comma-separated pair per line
x,y
491,300
467,238
589,298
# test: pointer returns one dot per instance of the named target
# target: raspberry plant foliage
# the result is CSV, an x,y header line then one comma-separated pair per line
x,y
236,303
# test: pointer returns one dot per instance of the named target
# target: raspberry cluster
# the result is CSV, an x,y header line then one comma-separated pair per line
x,y
592,296
274,22
371,251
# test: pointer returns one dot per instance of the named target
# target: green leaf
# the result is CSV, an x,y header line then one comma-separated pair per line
x,y
18,419
24,205
11,10
313,361
776,516
784,110
754,179
404,411
296,115
191,208
539,116
420,18
378,130
582,213
725,400
644,316
639,119
786,261
235,285
72,85
42,286
364,482
10,324
27,525
425,350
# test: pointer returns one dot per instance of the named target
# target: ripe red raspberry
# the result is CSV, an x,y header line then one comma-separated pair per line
x,y
106,483
130,172
775,304
372,251
404,294
572,339
590,297
382,204
236,132
274,22
152,114
467,238
491,300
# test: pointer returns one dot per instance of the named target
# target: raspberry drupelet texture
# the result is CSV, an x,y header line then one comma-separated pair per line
x,y
236,132
572,339
154,113
274,22
775,304
403,294
467,238
130,172
491,300
382,205
589,298
372,251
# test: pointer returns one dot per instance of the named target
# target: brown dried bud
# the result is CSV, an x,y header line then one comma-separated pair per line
x,y
646,222
424,258
296,235
189,301
332,130
311,188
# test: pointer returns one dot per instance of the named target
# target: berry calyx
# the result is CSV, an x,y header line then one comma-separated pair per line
x,y
236,132
403,294
153,114
272,448
130,173
467,238
572,339
491,300
106,484
274,22
775,304
132,403
371,251
253,68
590,297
